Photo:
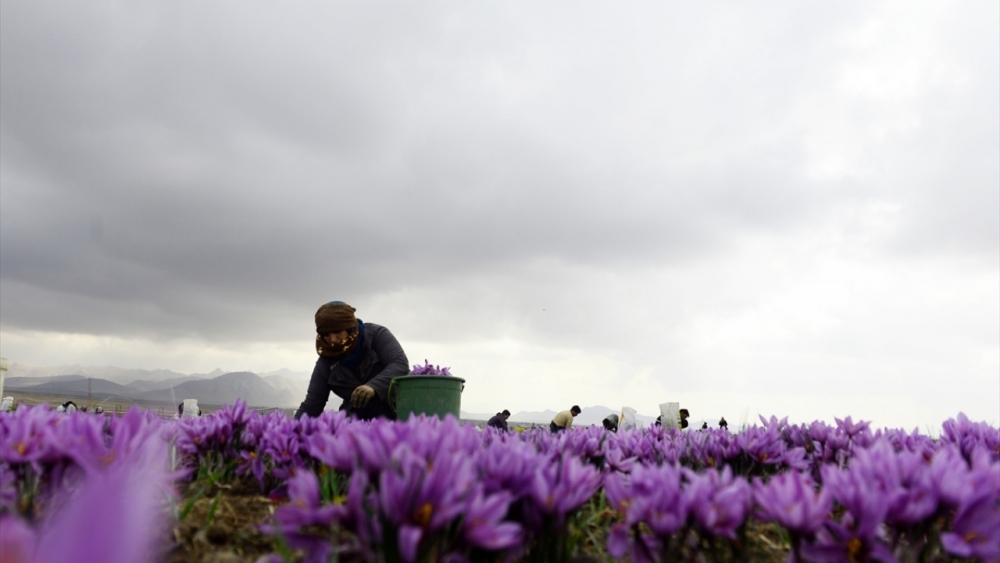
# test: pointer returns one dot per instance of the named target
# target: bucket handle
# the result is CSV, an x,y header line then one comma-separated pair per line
x,y
390,397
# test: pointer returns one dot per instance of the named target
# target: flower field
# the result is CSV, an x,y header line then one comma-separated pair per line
x,y
240,486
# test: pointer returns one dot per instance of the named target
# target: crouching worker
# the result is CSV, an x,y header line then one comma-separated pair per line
x,y
499,420
357,361
611,422
564,420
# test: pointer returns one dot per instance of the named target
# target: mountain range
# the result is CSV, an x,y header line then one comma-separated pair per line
x,y
162,387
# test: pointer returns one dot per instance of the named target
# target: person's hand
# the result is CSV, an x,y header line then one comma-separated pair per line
x,y
361,396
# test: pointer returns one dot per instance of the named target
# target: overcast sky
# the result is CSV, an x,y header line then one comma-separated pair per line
x,y
784,208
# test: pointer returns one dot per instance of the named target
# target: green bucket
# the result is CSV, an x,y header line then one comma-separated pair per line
x,y
426,394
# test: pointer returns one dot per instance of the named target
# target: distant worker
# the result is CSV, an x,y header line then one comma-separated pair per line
x,y
704,426
723,423
68,406
499,420
564,420
683,423
610,422
357,361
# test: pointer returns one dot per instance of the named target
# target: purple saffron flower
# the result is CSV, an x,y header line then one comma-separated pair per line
x,y
17,540
852,429
304,497
651,494
509,467
563,485
26,438
792,500
619,541
418,496
719,501
644,549
126,529
864,498
949,475
428,369
303,510
483,526
615,460
914,499
976,530
763,445
333,451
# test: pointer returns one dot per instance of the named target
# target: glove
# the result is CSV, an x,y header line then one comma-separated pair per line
x,y
361,396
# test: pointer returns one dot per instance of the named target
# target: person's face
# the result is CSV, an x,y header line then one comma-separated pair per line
x,y
506,416
684,416
335,337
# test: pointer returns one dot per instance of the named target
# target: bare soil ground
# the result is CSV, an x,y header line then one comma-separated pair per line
x,y
223,527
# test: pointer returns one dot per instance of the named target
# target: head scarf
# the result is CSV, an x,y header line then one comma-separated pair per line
x,y
336,316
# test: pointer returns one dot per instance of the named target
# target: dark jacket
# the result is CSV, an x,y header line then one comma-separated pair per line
x,y
380,358
497,422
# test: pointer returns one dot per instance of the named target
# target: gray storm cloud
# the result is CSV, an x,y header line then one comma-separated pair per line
x,y
215,171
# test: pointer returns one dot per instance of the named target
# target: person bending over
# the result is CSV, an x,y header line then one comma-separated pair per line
x,y
499,420
564,420
357,361
610,422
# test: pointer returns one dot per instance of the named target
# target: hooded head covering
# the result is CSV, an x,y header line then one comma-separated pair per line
x,y
336,316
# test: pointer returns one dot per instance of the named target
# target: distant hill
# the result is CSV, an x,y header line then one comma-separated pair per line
x,y
109,373
224,389
29,381
76,386
141,385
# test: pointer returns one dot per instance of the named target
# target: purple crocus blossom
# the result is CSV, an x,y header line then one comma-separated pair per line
x,y
650,495
560,487
975,531
17,540
509,467
483,525
718,500
968,436
130,522
420,497
428,369
866,501
304,510
792,500
851,428
763,445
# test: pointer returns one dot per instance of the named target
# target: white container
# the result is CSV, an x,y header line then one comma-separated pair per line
x,y
671,415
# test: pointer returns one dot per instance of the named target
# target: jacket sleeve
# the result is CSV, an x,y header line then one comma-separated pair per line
x,y
318,393
392,357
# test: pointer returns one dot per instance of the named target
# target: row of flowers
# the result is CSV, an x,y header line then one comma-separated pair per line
x,y
428,489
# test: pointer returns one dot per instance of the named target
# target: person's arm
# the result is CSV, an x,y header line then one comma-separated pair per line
x,y
391,354
318,393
